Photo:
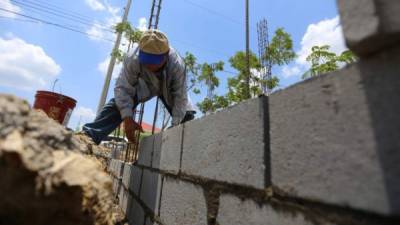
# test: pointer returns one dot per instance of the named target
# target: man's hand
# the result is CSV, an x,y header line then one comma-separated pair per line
x,y
130,127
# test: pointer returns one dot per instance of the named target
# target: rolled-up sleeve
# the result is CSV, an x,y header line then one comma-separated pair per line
x,y
178,91
125,87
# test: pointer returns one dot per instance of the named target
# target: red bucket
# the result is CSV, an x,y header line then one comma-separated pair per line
x,y
56,106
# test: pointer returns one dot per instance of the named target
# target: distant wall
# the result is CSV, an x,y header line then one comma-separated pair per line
x,y
323,151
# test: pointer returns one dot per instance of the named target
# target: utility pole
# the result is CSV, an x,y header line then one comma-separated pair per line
x,y
112,61
247,51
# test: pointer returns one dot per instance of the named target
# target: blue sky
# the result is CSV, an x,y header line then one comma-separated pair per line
x,y
34,54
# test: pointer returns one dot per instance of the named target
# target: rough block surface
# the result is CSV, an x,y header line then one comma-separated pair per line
x,y
135,213
228,145
126,175
151,189
233,210
146,151
182,203
135,180
370,25
336,138
124,198
167,153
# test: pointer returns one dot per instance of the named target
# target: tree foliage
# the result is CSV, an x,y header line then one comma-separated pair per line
x,y
280,50
132,34
212,105
324,61
237,89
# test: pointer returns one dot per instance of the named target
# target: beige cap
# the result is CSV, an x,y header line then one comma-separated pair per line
x,y
154,42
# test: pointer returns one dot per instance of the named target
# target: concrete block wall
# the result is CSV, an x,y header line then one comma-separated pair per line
x,y
323,151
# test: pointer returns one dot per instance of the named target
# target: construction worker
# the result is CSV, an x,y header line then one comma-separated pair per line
x,y
151,69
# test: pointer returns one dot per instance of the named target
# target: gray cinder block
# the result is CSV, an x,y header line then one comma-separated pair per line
x,y
145,151
182,203
167,151
126,175
233,210
151,189
228,145
370,25
336,138
135,213
135,180
124,199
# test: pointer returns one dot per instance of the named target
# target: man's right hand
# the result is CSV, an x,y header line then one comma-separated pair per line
x,y
130,127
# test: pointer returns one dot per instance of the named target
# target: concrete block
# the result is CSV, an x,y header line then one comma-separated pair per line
x,y
157,145
151,189
182,203
145,151
233,210
336,138
110,164
124,199
167,153
228,145
117,168
135,179
370,25
126,177
135,214
115,185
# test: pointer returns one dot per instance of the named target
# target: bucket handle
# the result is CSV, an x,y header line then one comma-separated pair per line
x,y
61,98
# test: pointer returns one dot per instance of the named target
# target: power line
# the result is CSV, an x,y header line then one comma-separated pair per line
x,y
56,24
54,7
18,19
200,47
213,12
62,15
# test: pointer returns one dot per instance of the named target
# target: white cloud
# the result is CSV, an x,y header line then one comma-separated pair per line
x,y
100,32
86,114
103,66
25,66
142,24
289,71
95,5
97,33
326,32
7,5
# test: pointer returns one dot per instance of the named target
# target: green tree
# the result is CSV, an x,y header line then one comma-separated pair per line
x,y
208,77
279,52
192,69
131,34
237,89
324,61
213,104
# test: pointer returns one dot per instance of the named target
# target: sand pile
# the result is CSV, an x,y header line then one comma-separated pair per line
x,y
46,176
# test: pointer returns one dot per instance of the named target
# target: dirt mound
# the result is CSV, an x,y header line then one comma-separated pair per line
x,y
45,178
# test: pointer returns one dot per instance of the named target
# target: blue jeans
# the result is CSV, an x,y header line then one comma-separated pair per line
x,y
106,122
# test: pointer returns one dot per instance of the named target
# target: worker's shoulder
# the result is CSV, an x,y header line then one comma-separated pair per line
x,y
175,60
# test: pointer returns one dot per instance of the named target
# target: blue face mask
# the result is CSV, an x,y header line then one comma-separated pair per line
x,y
153,59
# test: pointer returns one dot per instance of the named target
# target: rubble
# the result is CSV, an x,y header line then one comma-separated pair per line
x,y
46,174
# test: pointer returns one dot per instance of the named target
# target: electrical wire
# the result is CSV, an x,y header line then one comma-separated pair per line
x,y
56,24
57,8
72,18
213,12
